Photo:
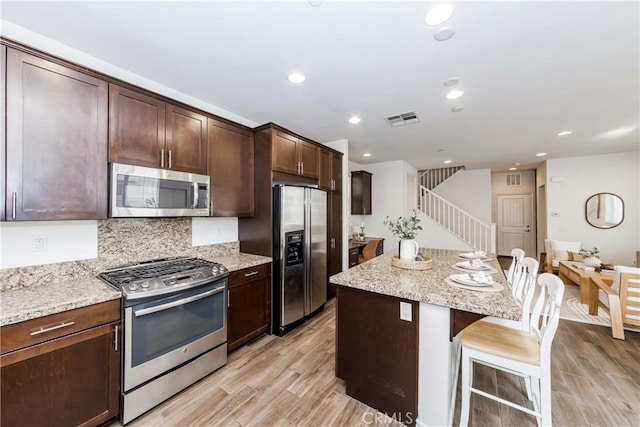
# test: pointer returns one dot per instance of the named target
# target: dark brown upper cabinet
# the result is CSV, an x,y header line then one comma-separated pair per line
x,y
56,136
231,168
360,193
146,131
294,155
330,174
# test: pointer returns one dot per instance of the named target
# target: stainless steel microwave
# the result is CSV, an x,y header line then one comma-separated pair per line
x,y
138,191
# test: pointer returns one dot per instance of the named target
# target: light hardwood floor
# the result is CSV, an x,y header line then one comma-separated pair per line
x,y
290,381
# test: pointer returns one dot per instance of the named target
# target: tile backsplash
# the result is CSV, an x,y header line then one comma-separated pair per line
x,y
122,241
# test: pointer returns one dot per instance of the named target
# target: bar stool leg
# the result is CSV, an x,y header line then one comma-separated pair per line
x,y
466,383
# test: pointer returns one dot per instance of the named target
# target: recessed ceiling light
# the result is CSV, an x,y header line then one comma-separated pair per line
x,y
366,155
564,133
458,108
315,2
296,78
455,94
446,162
438,14
512,169
444,33
541,154
354,120
452,81
517,164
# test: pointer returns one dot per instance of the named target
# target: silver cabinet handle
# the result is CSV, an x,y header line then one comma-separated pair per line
x,y
115,340
195,195
298,168
182,301
52,328
169,159
302,168
162,158
253,273
228,299
14,201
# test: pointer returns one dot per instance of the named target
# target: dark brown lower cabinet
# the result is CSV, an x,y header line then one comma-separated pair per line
x,y
377,352
68,381
249,305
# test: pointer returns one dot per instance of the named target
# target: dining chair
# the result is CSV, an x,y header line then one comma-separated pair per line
x,y
516,254
523,290
621,300
369,250
524,353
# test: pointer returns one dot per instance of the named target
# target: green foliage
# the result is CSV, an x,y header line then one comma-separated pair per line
x,y
589,252
404,227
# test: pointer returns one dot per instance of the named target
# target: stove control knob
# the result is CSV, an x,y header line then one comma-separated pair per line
x,y
133,286
145,284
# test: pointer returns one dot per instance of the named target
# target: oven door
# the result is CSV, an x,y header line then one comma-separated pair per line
x,y
167,332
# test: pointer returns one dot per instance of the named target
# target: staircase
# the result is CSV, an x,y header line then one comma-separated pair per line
x,y
474,232
431,178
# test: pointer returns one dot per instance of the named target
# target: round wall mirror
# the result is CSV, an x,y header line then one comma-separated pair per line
x,y
604,210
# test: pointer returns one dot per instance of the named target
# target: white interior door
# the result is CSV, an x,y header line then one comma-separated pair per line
x,y
515,225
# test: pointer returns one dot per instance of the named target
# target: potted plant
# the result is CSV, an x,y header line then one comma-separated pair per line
x,y
405,228
589,257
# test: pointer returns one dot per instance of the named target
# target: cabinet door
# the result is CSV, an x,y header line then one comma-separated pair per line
x,y
56,141
360,193
136,128
324,180
69,381
308,155
3,141
366,194
186,141
334,260
284,153
231,169
336,171
248,313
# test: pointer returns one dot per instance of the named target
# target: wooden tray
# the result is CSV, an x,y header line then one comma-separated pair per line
x,y
411,265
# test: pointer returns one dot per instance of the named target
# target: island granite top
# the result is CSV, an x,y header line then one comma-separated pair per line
x,y
19,305
429,286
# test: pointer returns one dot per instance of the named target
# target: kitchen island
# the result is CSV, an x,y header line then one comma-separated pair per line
x,y
396,329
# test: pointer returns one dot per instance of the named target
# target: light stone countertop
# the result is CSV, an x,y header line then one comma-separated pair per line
x,y
429,286
21,304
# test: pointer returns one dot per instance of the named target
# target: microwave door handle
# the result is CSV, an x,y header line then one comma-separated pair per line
x,y
182,301
195,195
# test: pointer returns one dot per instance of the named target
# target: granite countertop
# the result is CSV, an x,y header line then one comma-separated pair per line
x,y
429,286
18,305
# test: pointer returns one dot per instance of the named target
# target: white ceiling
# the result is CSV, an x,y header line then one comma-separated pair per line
x,y
528,69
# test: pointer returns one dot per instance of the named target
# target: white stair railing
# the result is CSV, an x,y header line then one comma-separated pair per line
x,y
431,178
476,233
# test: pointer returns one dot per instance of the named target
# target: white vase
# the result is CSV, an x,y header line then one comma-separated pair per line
x,y
408,249
591,262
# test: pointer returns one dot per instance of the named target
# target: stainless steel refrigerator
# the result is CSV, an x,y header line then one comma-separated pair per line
x,y
299,255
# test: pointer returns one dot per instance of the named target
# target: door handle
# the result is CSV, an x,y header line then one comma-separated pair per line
x,y
301,168
115,339
180,302
195,195
162,158
169,159
52,328
14,200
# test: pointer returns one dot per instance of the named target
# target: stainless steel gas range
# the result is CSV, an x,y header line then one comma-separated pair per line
x,y
174,327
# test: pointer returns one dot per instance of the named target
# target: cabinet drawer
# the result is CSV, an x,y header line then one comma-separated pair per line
x,y
353,257
35,331
247,274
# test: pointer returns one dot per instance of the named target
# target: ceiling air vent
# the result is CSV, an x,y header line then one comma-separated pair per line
x,y
514,179
402,119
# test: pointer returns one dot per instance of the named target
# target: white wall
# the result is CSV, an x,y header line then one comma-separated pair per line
x,y
541,205
470,190
388,197
582,177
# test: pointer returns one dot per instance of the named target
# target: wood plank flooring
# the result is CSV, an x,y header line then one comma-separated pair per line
x,y
290,381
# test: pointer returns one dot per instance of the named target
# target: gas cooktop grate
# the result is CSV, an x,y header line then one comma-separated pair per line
x,y
154,270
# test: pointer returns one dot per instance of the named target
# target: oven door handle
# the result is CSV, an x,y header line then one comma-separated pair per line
x,y
195,196
182,301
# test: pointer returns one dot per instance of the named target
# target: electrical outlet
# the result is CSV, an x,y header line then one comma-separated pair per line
x,y
405,311
39,242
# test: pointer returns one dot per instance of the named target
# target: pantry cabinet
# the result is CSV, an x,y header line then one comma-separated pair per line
x,y
63,369
56,141
249,305
334,238
231,168
330,170
146,131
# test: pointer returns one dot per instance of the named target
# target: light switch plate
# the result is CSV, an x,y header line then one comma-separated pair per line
x,y
405,311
